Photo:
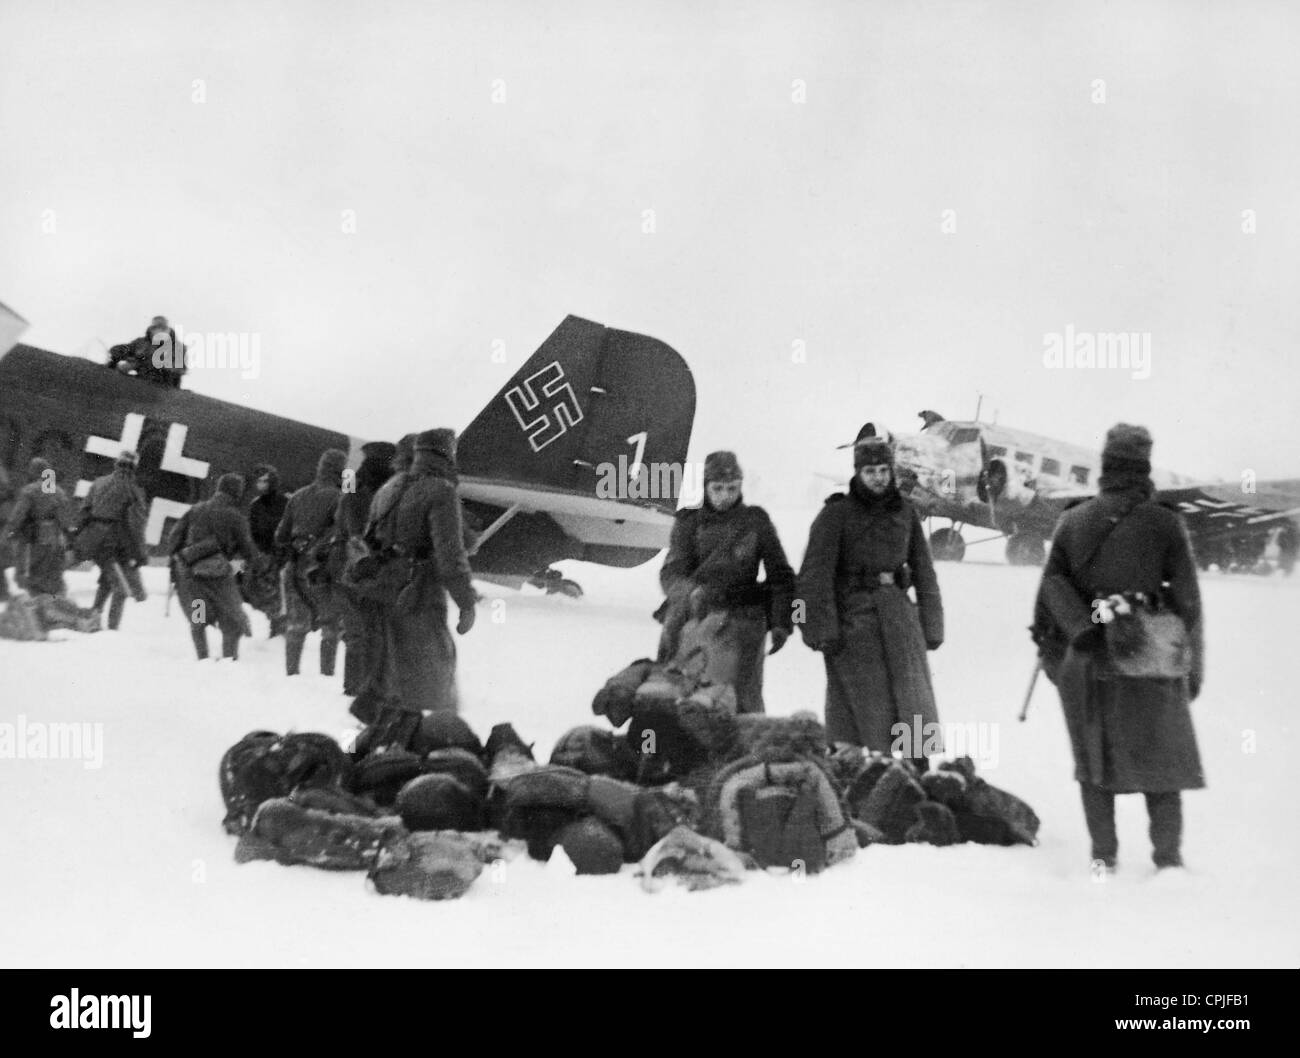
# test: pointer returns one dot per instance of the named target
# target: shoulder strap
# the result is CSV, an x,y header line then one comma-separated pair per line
x,y
381,517
721,554
1112,522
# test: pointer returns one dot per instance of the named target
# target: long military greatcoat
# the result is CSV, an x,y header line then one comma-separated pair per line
x,y
873,637
418,513
1127,735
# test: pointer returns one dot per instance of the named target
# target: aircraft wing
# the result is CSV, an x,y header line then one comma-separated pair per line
x,y
1218,510
1211,511
1065,495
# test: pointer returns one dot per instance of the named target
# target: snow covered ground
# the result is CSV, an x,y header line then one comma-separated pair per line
x,y
126,863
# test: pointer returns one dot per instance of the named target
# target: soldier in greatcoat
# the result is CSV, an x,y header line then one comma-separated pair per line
x,y
1128,735
864,551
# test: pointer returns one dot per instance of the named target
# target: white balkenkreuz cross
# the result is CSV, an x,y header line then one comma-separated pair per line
x,y
174,461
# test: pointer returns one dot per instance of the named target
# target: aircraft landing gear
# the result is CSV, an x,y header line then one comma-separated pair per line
x,y
1026,549
947,545
553,582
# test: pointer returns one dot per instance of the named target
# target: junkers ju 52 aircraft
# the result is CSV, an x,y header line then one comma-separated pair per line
x,y
529,462
1017,484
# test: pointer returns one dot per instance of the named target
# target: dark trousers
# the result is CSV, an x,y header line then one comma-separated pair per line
x,y
117,579
309,606
1165,819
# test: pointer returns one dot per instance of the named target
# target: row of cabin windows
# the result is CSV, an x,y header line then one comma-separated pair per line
x,y
1050,467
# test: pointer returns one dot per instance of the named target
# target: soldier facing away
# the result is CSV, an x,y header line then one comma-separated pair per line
x,y
1128,735
202,543
42,517
362,618
415,522
112,536
304,536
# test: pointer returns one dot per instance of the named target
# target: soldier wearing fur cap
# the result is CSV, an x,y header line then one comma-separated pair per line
x,y
864,551
415,522
304,536
201,544
1128,735
41,517
113,516
714,556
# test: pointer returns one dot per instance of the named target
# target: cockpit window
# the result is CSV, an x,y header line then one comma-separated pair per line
x,y
1025,457
996,451
965,435
1051,467
1079,474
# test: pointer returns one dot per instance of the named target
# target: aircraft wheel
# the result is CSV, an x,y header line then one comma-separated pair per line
x,y
1026,550
947,545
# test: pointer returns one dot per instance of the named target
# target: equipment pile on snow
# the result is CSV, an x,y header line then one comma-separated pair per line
x,y
692,791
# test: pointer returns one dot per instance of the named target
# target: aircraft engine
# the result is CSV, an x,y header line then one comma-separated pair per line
x,y
998,482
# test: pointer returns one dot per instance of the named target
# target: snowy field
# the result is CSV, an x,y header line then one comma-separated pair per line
x,y
126,864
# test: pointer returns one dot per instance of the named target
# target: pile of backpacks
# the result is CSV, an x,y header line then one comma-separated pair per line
x,y
691,792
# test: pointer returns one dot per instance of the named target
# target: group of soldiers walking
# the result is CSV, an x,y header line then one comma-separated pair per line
x,y
400,513
368,559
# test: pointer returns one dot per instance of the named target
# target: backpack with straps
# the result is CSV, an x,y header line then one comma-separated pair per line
x,y
369,570
264,765
783,813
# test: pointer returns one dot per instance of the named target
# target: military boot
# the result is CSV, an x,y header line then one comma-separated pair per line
x,y
355,664
328,652
199,634
134,584
230,645
101,596
116,603
1099,811
1165,815
292,654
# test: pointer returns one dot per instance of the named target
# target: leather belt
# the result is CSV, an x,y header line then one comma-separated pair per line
x,y
872,581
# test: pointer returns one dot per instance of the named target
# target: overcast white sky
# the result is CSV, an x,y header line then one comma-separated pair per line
x,y
776,221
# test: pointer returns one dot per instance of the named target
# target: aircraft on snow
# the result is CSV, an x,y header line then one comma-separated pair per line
x,y
1017,483
529,462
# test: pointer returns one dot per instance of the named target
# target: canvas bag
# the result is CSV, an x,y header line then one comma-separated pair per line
x,y
1148,642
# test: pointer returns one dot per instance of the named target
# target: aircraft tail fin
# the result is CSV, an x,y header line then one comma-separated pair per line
x,y
592,404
